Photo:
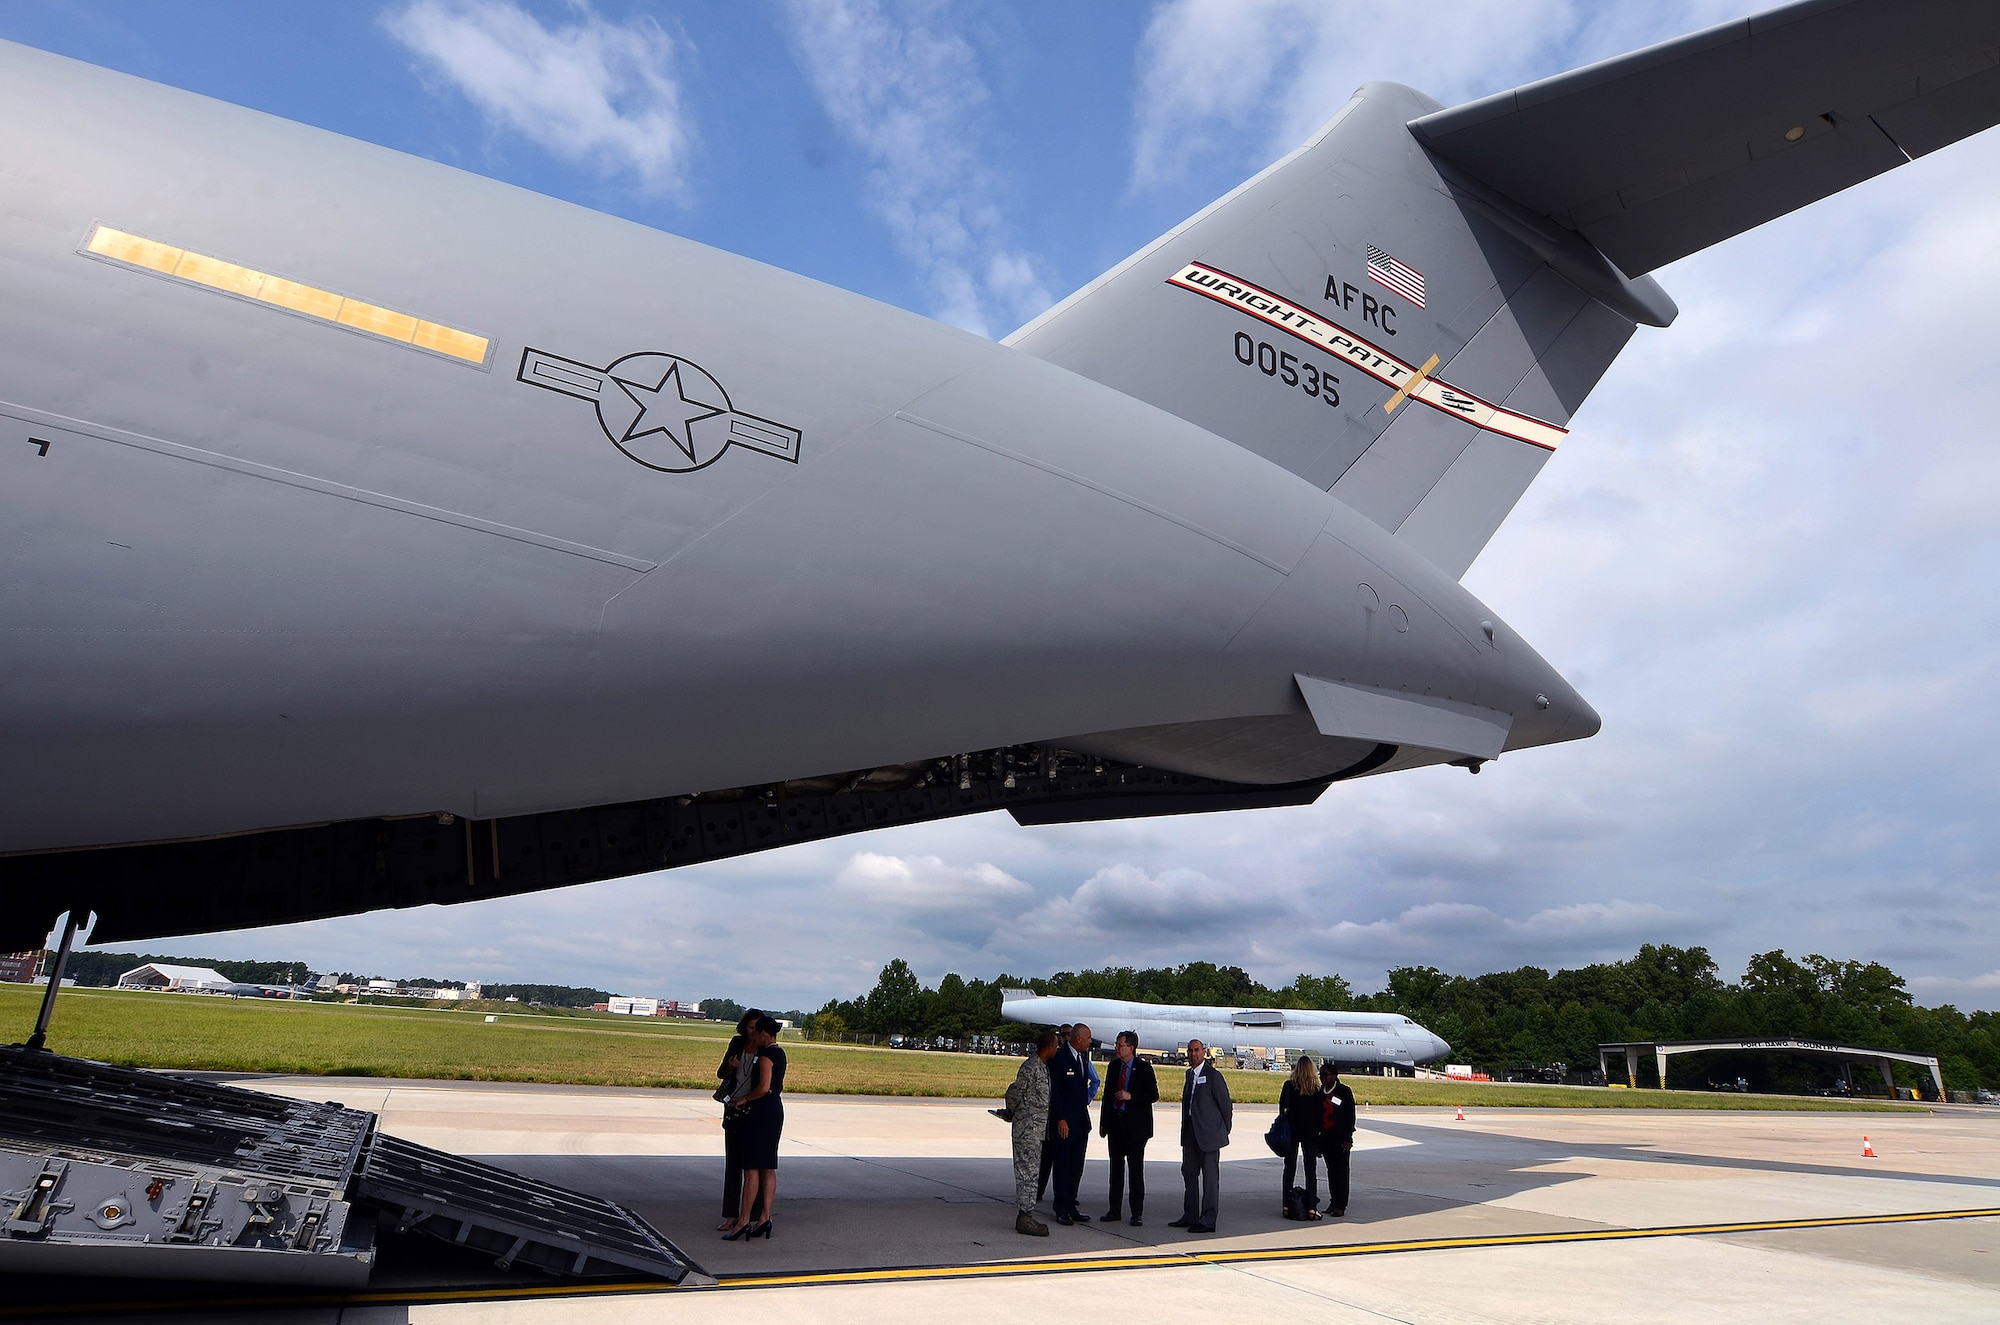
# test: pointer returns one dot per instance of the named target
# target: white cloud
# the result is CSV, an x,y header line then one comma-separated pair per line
x,y
1253,78
593,93
1990,980
1979,991
1125,905
906,90
1432,934
959,903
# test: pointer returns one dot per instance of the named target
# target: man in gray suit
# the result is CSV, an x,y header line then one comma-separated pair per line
x,y
1206,1114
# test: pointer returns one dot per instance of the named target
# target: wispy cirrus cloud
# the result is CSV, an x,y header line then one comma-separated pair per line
x,y
1253,78
605,96
903,87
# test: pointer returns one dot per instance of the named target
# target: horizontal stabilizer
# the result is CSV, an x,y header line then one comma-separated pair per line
x,y
1365,713
1656,154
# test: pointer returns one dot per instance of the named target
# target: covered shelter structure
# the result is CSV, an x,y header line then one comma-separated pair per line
x,y
1847,1055
176,979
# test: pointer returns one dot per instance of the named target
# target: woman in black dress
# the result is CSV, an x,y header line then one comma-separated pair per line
x,y
738,1064
760,1122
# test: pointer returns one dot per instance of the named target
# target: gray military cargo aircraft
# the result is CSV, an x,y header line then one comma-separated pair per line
x,y
1351,1039
378,534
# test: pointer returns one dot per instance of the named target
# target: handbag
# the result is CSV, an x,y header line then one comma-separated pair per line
x,y
722,1092
727,1085
1279,1138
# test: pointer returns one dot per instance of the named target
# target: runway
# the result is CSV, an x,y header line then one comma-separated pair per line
x,y
901,1209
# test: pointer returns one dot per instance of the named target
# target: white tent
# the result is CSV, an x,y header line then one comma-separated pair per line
x,y
179,979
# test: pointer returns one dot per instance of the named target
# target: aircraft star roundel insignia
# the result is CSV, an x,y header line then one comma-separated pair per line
x,y
663,411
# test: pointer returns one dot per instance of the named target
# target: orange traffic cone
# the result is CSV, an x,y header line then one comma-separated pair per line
x,y
1867,1151
1461,1116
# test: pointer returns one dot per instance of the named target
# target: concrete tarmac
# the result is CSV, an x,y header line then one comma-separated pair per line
x,y
892,1210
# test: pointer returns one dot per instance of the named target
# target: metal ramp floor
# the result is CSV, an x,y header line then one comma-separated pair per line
x,y
114,1171
518,1220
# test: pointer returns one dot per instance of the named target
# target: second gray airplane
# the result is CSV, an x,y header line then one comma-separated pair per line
x,y
1351,1039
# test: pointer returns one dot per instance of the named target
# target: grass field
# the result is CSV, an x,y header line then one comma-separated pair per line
x,y
566,1047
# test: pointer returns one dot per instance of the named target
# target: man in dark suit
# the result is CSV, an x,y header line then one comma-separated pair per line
x,y
1206,1115
1336,1138
1125,1121
1069,1121
1049,1147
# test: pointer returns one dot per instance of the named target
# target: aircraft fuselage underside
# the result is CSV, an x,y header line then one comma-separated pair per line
x,y
308,873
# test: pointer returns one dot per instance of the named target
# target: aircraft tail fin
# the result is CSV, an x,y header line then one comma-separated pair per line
x,y
1409,309
1351,316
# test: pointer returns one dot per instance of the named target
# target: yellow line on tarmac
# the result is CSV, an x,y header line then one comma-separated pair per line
x,y
1164,1260
999,1270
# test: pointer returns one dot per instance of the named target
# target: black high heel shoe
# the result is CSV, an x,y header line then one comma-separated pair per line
x,y
762,1230
743,1231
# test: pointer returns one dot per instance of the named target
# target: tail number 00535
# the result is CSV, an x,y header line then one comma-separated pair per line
x,y
1287,367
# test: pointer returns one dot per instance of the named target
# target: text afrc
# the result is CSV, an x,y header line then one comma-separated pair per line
x,y
1377,312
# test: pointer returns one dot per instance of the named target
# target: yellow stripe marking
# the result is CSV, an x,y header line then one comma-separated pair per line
x,y
998,1270
262,287
1403,391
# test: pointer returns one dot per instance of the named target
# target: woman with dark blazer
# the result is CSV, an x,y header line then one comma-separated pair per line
x,y
734,1073
1299,1101
760,1117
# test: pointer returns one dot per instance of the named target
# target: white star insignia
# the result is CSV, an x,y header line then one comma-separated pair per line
x,y
669,412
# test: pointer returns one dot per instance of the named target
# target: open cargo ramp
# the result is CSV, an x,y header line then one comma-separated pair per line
x,y
520,1221
114,1171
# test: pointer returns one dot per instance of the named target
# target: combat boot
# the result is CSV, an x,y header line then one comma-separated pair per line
x,y
1033,1227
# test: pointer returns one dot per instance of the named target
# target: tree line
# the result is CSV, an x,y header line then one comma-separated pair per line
x,y
102,969
91,968
1514,1019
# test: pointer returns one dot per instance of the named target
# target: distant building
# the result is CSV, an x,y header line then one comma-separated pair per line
x,y
175,979
473,989
20,968
381,986
675,1008
634,1007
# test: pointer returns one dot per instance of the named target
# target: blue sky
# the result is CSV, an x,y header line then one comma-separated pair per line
x,y
1766,552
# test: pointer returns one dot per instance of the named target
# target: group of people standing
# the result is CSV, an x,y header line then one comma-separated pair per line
x,y
1049,1108
752,1074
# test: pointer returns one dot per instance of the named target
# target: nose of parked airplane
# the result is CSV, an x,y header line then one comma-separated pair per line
x,y
1438,1047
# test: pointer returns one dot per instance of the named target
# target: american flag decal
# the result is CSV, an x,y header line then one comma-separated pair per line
x,y
1401,277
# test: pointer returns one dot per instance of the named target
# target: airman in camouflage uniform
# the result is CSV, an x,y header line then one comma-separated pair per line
x,y
1028,1100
